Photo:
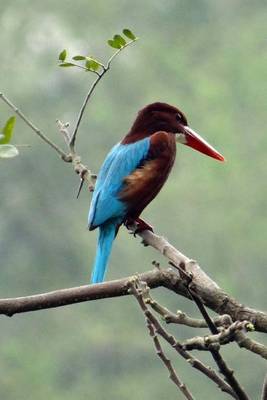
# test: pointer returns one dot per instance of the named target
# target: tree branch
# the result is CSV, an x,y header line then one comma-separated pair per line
x,y
208,290
38,131
90,92
225,336
63,297
172,373
156,278
182,318
139,290
264,389
244,342
214,349
223,322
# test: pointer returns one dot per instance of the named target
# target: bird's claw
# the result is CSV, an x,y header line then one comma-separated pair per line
x,y
137,226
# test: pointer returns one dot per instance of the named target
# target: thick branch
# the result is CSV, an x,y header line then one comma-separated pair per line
x,y
63,297
216,299
208,290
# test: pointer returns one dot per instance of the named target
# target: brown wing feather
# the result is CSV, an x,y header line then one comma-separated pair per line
x,y
146,181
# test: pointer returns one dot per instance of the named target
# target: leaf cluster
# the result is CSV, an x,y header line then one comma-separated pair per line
x,y
119,42
90,63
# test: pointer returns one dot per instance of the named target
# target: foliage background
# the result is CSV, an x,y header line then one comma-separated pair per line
x,y
209,58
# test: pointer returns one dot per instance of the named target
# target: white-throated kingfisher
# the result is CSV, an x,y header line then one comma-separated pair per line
x,y
134,171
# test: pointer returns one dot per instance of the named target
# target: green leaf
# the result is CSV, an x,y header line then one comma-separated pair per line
x,y
62,56
66,65
92,64
114,44
8,130
8,151
119,39
79,58
129,34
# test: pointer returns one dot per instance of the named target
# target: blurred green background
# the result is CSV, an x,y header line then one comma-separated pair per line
x,y
210,59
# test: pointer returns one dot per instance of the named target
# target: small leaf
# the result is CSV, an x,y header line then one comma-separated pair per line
x,y
119,39
129,34
62,56
8,130
92,64
8,151
114,44
79,58
66,65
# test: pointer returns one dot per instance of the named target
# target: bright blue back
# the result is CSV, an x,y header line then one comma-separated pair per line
x,y
120,162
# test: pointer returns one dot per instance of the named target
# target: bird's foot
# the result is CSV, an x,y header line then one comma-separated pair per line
x,y
137,225
143,226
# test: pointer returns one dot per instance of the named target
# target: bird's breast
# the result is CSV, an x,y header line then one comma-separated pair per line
x,y
143,184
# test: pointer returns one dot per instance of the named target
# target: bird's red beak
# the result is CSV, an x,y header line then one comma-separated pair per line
x,y
194,140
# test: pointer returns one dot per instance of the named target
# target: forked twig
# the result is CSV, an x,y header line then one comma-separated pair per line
x,y
172,373
139,292
38,131
90,92
222,365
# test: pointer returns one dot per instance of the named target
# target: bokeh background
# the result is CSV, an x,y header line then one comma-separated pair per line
x,y
210,59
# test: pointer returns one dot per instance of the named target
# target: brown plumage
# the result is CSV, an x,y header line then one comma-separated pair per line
x,y
146,181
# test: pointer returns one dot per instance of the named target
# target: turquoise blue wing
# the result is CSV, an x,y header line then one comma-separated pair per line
x,y
121,161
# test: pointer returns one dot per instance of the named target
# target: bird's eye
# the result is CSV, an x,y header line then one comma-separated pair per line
x,y
178,117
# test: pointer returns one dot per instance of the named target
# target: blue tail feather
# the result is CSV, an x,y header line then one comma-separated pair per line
x,y
107,234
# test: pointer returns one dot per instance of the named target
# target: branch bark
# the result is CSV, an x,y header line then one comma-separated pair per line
x,y
138,291
214,297
167,362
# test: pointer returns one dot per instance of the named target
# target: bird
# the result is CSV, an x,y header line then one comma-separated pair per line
x,y
134,172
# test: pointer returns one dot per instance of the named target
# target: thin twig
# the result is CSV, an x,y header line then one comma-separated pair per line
x,y
264,389
221,363
63,129
38,132
224,322
160,353
89,94
81,112
194,362
182,318
118,51
82,170
225,336
255,347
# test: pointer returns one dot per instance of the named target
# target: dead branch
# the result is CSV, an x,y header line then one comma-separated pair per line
x,y
225,336
139,289
160,353
264,389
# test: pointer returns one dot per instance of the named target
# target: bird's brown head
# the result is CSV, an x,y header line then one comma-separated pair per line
x,y
157,117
